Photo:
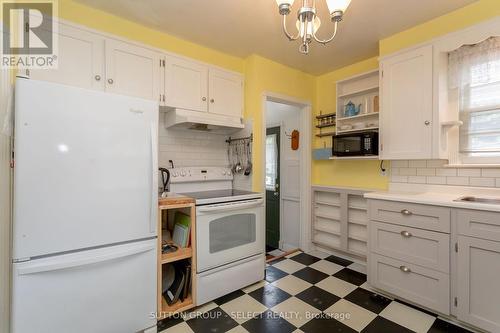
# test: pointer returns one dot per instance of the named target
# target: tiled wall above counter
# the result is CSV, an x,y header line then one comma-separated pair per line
x,y
435,172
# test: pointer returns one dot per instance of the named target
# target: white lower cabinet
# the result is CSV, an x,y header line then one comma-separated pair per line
x,y
477,283
411,259
415,283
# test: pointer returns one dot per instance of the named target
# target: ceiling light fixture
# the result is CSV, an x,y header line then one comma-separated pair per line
x,y
308,22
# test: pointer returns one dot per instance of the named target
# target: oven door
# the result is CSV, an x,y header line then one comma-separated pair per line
x,y
228,232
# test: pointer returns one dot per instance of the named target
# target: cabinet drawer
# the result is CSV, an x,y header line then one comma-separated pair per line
x,y
421,247
420,285
480,224
413,215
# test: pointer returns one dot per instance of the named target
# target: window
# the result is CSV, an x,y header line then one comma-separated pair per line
x,y
475,72
271,161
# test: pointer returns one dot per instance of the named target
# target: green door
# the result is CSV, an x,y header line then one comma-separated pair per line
x,y
272,187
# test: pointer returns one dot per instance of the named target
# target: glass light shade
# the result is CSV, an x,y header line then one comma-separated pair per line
x,y
337,5
285,2
311,28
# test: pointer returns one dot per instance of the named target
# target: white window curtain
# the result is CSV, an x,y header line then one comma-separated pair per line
x,y
474,70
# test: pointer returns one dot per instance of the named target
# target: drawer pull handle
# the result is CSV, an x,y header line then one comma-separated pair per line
x,y
405,269
406,212
406,234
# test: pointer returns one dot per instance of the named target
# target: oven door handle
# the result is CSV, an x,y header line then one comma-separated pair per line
x,y
232,206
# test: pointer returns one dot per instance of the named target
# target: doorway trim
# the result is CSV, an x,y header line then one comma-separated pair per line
x,y
304,163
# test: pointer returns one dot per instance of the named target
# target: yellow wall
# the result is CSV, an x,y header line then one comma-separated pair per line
x,y
364,174
102,21
263,75
456,20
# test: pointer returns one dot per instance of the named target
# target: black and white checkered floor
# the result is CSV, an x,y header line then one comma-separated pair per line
x,y
307,293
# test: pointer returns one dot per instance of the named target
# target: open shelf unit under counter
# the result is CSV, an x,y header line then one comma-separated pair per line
x,y
166,210
340,219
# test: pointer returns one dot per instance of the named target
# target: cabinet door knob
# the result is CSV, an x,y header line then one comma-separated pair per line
x,y
110,81
212,100
405,269
203,99
98,78
406,234
406,212
427,123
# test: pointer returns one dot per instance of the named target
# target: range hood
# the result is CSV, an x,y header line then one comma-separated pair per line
x,y
201,121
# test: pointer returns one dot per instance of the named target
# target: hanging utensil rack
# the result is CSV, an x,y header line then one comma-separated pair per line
x,y
248,138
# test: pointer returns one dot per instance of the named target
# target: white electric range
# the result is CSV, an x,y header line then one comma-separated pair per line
x,y
230,230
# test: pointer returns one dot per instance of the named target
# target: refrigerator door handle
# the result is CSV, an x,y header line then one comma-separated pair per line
x,y
65,263
154,189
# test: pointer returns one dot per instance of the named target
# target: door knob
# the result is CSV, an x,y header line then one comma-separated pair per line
x,y
110,81
427,123
212,100
98,78
203,99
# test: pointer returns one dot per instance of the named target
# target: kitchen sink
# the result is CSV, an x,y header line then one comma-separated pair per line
x,y
490,201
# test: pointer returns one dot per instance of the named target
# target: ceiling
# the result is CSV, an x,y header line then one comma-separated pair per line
x,y
244,27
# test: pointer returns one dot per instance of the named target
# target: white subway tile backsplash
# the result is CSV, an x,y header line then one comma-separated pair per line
x,y
435,172
490,173
399,179
436,163
417,163
436,180
482,182
457,181
416,179
407,172
426,171
191,148
446,172
399,164
469,172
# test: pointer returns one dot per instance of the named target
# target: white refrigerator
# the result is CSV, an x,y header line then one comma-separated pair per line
x,y
85,210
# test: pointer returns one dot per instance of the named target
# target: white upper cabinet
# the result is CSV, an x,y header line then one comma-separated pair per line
x,y
186,84
226,93
132,70
80,60
406,105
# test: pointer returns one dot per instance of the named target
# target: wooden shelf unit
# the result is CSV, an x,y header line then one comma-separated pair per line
x,y
180,254
186,205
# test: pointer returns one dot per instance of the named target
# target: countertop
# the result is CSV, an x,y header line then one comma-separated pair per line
x,y
438,195
174,199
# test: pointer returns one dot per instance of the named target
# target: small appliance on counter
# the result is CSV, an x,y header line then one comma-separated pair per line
x,y
355,144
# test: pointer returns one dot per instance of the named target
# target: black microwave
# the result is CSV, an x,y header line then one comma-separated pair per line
x,y
355,144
